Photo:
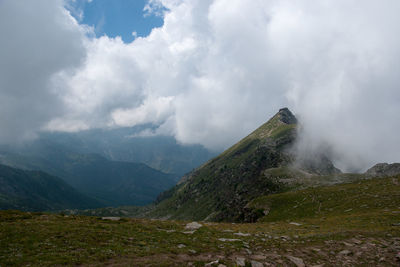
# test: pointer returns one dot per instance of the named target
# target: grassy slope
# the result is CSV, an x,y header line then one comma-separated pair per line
x,y
355,225
219,188
36,190
364,196
112,183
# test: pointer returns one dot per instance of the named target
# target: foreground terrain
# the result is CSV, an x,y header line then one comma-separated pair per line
x,y
339,225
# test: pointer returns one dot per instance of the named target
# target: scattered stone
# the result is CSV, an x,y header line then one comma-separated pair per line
x,y
228,239
316,249
297,261
168,231
221,265
295,223
248,251
348,244
181,246
192,251
345,252
256,264
259,257
395,224
348,210
189,232
319,265
356,241
241,262
193,226
227,231
111,218
212,263
241,234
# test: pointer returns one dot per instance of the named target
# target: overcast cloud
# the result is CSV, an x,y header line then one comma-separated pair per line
x,y
214,72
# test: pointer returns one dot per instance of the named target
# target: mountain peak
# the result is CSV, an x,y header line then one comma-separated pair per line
x,y
286,116
283,122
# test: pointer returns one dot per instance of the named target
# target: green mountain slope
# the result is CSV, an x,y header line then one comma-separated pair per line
x,y
36,191
255,166
366,196
112,183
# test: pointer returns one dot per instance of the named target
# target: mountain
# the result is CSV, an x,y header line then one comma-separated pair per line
x,y
383,170
124,144
112,183
260,164
38,191
109,165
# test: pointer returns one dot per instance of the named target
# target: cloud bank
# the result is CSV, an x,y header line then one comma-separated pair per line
x,y
38,40
216,70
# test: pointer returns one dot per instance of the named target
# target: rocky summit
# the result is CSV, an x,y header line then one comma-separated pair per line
x,y
260,164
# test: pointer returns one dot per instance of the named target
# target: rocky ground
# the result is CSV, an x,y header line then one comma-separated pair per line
x,y
355,224
34,239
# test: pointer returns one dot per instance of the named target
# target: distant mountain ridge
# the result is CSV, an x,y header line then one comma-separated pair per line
x,y
38,191
125,144
111,183
260,164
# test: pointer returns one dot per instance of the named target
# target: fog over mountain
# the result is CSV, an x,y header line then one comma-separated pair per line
x,y
213,72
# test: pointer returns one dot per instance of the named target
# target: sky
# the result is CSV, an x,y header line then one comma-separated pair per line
x,y
206,71
125,18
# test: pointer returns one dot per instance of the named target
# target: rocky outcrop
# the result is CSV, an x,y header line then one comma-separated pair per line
x,y
384,170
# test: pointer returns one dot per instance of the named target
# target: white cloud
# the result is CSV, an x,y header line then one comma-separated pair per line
x,y
217,69
38,39
154,7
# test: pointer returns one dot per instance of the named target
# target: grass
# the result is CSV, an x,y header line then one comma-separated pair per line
x,y
360,218
364,196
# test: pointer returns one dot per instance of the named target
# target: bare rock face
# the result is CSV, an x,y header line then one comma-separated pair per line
x,y
384,169
286,116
